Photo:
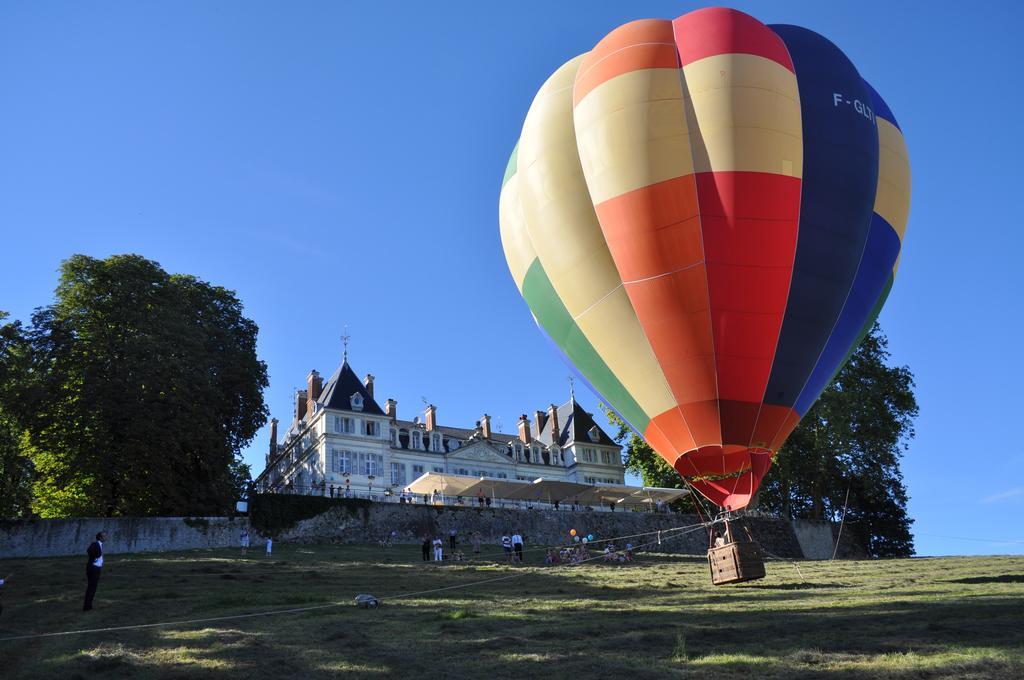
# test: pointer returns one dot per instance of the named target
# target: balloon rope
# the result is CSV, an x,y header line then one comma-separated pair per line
x,y
842,520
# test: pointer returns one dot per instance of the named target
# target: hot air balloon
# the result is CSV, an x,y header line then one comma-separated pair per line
x,y
704,216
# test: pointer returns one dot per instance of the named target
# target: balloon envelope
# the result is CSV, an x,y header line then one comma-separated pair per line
x,y
705,216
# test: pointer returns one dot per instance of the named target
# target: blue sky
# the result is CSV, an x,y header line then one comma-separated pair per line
x,y
339,163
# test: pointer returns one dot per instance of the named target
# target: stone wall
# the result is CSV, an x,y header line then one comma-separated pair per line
x,y
348,524
55,537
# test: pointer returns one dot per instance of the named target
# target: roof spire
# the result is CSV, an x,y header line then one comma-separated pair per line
x,y
572,390
344,339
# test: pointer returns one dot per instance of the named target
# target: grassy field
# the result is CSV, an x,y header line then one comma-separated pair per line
x,y
920,618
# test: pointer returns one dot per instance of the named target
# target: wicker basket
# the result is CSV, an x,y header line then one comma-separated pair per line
x,y
736,562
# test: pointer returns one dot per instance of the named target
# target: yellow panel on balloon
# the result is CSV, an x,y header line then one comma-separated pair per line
x,y
744,114
892,197
632,133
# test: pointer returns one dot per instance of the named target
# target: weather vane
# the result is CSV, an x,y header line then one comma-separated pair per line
x,y
344,339
572,390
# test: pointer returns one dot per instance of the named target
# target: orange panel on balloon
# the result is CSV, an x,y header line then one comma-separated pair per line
x,y
647,43
704,421
653,230
674,433
788,425
769,421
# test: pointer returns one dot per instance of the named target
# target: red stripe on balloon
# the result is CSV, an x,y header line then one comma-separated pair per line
x,y
718,30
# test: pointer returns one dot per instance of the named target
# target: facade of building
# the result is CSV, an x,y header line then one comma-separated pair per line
x,y
341,438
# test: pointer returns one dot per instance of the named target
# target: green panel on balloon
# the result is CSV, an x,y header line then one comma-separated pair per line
x,y
555,319
510,169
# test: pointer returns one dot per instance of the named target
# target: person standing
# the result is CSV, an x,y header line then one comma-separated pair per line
x,y
506,545
270,546
476,542
426,548
517,545
245,541
452,539
93,569
438,549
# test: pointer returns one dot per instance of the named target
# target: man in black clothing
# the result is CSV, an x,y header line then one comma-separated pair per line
x,y
93,569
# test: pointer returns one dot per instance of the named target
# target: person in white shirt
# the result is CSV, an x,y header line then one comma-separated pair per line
x,y
438,550
517,545
506,545
245,540
270,545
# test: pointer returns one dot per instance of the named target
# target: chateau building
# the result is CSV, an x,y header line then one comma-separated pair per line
x,y
340,437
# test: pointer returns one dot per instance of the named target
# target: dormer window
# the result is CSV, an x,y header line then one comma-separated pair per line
x,y
594,434
417,439
535,454
435,443
356,400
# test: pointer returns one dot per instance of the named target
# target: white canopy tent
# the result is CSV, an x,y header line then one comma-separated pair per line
x,y
541,490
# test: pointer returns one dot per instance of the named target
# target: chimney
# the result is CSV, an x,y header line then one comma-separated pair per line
x,y
300,405
556,432
431,417
273,438
524,429
368,382
391,409
314,384
538,416
485,424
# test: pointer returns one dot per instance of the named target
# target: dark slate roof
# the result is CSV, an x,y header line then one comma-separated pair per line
x,y
574,423
342,385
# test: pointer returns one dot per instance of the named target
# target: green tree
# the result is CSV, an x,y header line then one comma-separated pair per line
x,y
144,387
850,442
15,467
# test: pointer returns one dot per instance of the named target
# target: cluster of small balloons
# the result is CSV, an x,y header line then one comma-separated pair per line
x,y
577,538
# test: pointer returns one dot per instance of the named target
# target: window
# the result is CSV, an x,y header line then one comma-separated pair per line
x,y
606,457
435,443
501,475
417,471
398,473
519,451
588,456
341,461
394,437
438,469
417,439
594,434
344,425
590,480
370,464
370,428
357,401
462,471
535,454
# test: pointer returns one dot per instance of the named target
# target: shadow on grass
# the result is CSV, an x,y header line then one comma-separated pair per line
x,y
1002,578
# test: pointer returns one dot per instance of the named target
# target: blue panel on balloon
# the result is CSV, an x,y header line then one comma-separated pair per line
x,y
840,173
875,268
